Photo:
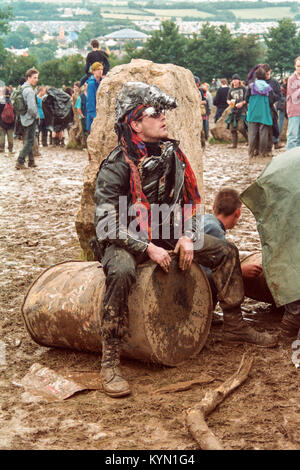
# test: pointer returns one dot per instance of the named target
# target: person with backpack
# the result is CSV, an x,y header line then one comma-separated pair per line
x,y
29,119
7,123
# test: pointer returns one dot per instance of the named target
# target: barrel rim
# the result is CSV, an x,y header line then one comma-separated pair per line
x,y
207,324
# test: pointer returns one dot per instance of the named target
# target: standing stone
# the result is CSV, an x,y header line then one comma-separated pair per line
x,y
184,124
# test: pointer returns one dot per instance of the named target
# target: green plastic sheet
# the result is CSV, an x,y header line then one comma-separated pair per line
x,y
274,200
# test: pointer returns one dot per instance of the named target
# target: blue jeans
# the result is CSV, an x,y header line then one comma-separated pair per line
x,y
293,138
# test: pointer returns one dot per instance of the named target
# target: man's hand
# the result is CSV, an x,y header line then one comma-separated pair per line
x,y
160,256
240,105
251,270
186,252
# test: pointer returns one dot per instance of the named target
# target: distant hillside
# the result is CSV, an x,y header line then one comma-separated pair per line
x,y
209,10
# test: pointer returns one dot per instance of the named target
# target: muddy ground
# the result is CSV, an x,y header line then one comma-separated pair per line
x,y
37,230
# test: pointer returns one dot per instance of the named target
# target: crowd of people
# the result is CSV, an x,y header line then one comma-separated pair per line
x,y
42,114
152,168
257,107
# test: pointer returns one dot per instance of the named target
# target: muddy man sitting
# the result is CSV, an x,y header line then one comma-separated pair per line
x,y
149,170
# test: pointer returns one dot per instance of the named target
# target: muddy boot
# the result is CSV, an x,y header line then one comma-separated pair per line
x,y
20,166
55,142
290,325
32,164
236,330
114,385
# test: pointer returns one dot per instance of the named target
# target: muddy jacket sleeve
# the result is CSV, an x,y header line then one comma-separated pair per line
x,y
111,218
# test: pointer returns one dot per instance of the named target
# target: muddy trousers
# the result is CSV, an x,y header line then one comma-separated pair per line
x,y
27,149
240,127
120,269
258,135
9,133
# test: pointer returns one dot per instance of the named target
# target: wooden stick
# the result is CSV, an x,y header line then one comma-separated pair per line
x,y
195,417
182,386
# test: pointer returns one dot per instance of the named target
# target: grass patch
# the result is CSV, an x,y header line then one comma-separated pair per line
x,y
263,13
180,13
123,16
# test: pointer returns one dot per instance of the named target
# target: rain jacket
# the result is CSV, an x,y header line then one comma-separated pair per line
x,y
260,97
32,113
57,108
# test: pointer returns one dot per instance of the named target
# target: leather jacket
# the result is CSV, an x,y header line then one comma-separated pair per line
x,y
113,181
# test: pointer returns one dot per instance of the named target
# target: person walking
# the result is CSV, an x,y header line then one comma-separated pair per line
x,y
29,120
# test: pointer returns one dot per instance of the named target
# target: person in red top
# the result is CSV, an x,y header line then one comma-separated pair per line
x,y
6,128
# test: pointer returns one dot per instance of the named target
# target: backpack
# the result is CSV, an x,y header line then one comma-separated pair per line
x,y
8,115
18,102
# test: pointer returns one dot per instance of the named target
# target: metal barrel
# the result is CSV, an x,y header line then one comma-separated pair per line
x,y
256,288
169,314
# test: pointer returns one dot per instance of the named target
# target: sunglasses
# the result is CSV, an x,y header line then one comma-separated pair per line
x,y
152,112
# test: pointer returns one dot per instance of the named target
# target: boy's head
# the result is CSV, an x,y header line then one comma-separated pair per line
x,y
97,70
227,207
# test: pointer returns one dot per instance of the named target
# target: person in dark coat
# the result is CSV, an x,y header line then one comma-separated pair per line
x,y
276,88
220,100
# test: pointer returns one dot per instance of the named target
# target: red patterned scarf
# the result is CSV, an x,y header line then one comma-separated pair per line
x,y
191,194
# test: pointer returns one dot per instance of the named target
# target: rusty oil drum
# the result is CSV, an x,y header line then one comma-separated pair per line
x,y
256,288
169,314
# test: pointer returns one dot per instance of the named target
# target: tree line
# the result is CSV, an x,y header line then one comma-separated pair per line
x,y
214,52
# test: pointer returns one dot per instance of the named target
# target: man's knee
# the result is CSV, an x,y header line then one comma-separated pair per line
x,y
230,250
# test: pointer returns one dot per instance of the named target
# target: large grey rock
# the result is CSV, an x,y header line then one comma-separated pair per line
x,y
184,123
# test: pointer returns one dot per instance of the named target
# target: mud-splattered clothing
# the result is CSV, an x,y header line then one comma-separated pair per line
x,y
120,257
